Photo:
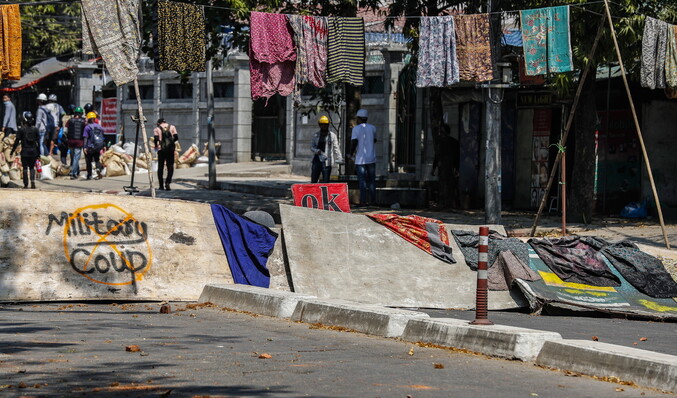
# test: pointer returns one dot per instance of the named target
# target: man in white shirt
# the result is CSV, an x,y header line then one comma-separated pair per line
x,y
362,141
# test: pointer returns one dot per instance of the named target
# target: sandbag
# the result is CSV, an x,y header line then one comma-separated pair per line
x,y
14,174
46,173
202,159
190,155
114,168
4,178
63,170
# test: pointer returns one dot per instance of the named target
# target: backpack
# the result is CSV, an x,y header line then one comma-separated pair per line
x,y
31,136
166,141
96,141
76,126
50,123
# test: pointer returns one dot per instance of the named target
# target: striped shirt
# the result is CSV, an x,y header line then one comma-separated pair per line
x,y
345,50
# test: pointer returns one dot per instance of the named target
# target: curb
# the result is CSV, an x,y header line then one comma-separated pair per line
x,y
645,368
365,318
258,300
244,187
496,340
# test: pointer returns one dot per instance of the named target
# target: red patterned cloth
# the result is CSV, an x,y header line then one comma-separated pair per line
x,y
272,55
427,234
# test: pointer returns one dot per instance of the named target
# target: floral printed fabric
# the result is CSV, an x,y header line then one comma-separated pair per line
x,y
473,47
547,40
180,37
272,55
437,61
11,42
654,50
111,28
671,58
311,51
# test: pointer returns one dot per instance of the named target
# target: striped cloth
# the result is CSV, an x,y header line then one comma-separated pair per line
x,y
346,50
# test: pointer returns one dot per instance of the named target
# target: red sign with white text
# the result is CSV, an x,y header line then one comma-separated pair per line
x,y
109,115
332,197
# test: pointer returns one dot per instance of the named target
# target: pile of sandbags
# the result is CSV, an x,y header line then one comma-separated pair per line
x,y
10,165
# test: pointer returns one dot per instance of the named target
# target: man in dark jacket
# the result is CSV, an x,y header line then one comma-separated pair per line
x,y
28,137
76,140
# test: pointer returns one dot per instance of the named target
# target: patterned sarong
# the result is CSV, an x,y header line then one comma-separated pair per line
x,y
11,42
473,47
111,28
671,58
346,50
272,55
180,37
654,50
547,40
437,61
310,34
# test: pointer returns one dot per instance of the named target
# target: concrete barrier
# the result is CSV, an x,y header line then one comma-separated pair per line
x,y
350,257
365,318
88,246
645,368
496,340
253,299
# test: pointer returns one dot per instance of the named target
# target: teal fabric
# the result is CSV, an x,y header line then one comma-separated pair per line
x,y
547,40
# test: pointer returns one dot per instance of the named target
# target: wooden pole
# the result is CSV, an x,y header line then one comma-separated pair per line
x,y
639,130
567,128
142,120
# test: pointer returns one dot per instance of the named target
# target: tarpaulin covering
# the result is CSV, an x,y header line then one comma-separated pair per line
x,y
247,246
427,234
469,242
575,260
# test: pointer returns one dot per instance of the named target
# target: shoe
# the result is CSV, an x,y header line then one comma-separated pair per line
x,y
167,187
25,186
74,178
32,185
89,177
98,177
162,188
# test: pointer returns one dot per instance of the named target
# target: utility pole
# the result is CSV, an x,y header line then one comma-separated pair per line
x,y
492,161
210,127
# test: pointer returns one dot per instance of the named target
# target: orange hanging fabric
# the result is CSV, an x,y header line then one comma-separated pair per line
x,y
11,42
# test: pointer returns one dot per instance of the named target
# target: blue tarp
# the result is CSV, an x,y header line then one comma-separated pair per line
x,y
247,246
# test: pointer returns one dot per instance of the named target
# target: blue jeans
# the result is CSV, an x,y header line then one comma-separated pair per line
x,y
317,168
75,161
366,174
44,149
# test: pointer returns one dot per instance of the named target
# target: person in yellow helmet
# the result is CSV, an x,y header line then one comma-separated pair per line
x,y
326,150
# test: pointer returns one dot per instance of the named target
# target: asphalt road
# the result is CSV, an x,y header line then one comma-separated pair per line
x,y
80,350
646,335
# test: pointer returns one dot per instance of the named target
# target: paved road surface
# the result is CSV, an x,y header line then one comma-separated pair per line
x,y
79,350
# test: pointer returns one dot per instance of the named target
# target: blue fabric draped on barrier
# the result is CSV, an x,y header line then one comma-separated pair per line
x,y
247,246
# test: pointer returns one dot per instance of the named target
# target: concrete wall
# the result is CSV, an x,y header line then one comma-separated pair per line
x,y
659,128
74,246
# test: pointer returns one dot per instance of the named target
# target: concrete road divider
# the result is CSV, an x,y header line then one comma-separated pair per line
x,y
365,318
253,299
645,368
496,340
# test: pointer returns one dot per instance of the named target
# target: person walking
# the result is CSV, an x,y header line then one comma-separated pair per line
x,y
44,123
57,113
363,151
28,137
9,120
94,143
326,148
165,136
76,131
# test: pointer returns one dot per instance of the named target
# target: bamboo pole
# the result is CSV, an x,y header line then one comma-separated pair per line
x,y
567,128
639,130
142,120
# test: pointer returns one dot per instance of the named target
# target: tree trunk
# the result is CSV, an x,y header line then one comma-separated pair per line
x,y
582,184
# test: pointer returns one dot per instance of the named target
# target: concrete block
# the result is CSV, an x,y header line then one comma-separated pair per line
x,y
495,340
252,299
365,318
644,368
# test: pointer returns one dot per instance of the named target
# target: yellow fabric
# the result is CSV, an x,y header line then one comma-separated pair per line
x,y
10,58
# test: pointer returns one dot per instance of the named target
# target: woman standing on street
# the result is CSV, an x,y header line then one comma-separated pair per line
x,y
28,137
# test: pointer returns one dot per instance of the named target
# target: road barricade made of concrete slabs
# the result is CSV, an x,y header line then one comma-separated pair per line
x,y
335,255
86,246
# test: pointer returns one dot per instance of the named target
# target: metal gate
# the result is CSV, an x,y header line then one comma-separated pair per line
x,y
269,127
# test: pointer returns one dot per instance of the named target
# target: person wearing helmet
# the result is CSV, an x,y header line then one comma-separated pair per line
x,y
327,152
42,122
94,143
57,113
76,140
28,137
165,136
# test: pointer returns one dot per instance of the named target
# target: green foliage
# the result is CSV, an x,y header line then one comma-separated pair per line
x,y
50,30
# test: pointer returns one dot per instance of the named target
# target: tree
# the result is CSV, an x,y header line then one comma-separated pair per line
x,y
50,30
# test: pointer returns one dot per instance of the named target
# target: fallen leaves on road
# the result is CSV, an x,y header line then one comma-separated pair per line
x,y
595,338
130,387
619,389
265,356
411,351
438,366
643,339
22,385
133,348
